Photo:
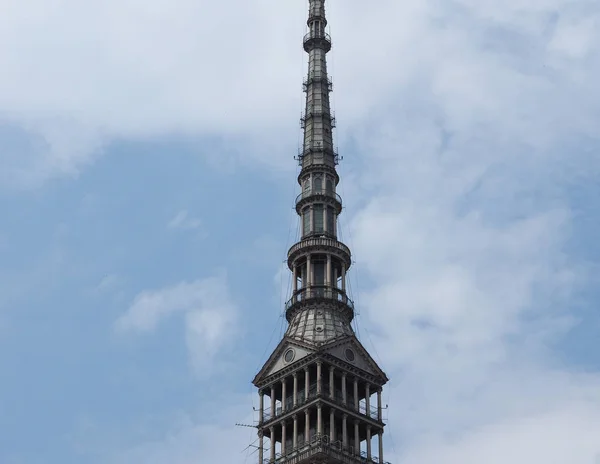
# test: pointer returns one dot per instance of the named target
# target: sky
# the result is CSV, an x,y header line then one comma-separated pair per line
x,y
147,185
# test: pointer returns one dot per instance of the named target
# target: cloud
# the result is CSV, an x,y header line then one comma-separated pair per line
x,y
210,317
182,221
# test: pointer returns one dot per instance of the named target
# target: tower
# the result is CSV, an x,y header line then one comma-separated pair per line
x,y
320,390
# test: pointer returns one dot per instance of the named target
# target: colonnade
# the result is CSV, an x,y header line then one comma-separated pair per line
x,y
350,426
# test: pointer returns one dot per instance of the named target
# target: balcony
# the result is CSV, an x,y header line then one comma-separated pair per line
x,y
317,293
316,244
321,40
321,195
320,446
318,114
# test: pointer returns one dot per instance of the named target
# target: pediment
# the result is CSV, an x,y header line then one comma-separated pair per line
x,y
287,353
352,352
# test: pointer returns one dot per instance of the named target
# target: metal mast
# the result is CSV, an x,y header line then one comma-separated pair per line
x,y
320,391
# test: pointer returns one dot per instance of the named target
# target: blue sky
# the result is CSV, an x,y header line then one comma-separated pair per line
x,y
147,182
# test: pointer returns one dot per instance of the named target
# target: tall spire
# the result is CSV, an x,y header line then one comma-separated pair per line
x,y
314,417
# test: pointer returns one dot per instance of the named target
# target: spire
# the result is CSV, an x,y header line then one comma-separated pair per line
x,y
320,381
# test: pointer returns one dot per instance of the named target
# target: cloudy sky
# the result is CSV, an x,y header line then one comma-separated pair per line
x,y
146,187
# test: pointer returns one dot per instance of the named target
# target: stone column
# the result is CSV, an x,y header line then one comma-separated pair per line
x,y
307,426
343,277
272,429
261,449
283,437
381,446
368,399
261,407
344,394
319,420
356,403
295,277
308,272
295,394
379,408
319,378
328,276
273,410
332,426
283,394
331,382
295,436
306,383
356,438
369,442
345,430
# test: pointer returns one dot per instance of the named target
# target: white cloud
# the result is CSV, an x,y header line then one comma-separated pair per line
x,y
210,317
183,221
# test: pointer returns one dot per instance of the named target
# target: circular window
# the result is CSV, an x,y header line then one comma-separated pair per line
x,y
289,356
319,329
349,355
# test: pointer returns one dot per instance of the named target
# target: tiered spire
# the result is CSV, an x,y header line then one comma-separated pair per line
x,y
320,380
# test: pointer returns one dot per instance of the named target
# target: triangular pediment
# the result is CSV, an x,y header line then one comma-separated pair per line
x,y
352,352
286,353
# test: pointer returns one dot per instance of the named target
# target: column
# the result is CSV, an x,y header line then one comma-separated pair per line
x,y
261,451
307,427
328,275
356,394
345,430
381,446
273,411
319,420
272,430
332,426
343,277
335,277
295,394
368,399
306,383
295,277
356,438
295,436
369,442
283,395
308,273
283,436
379,409
319,378
344,395
331,382
261,407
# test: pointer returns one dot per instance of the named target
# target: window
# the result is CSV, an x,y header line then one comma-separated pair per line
x,y
330,220
318,184
318,218
329,185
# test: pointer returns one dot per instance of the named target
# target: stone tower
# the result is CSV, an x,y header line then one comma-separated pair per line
x,y
320,390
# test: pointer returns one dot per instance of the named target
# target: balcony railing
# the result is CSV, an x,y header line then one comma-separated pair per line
x,y
317,77
321,445
317,113
319,241
319,292
311,192
329,194
317,37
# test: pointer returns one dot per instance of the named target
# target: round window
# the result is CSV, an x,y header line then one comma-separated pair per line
x,y
349,355
319,329
289,356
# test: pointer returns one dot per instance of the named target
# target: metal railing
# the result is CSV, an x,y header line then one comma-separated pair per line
x,y
316,35
321,445
317,113
317,292
311,192
317,77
